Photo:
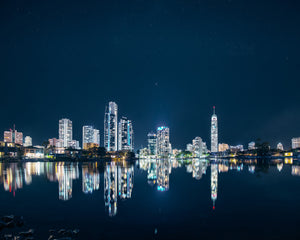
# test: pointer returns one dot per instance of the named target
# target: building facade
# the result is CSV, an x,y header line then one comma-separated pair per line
x,y
163,141
111,127
214,132
90,137
251,145
152,146
295,143
13,136
65,131
125,135
28,141
223,147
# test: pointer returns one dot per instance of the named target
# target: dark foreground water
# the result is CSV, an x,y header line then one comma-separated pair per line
x,y
156,199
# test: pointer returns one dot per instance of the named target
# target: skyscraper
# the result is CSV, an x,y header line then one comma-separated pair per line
x,y
295,143
163,141
65,131
13,136
97,137
28,141
90,137
214,132
152,147
111,127
125,135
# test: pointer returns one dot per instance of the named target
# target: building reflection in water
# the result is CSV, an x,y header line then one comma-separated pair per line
x,y
90,177
118,181
296,170
158,172
12,177
65,174
119,176
214,183
110,188
163,174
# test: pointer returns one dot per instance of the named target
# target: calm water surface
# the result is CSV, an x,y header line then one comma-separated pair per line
x,y
156,199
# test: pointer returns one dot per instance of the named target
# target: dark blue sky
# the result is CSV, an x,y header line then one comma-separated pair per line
x,y
163,62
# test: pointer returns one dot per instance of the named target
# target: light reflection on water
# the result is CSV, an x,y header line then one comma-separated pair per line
x,y
119,176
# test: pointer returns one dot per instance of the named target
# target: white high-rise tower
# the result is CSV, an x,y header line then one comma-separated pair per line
x,y
214,132
125,137
65,131
111,127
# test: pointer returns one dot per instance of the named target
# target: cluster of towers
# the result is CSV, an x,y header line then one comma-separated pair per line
x,y
117,135
159,142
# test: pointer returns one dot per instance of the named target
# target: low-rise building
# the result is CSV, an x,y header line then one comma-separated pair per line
x,y
223,147
33,152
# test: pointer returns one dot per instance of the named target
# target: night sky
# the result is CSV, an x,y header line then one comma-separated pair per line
x,y
163,62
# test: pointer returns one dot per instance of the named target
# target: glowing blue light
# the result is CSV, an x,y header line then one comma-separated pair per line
x,y
161,128
160,188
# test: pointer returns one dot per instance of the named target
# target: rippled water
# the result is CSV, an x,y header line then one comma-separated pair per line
x,y
156,199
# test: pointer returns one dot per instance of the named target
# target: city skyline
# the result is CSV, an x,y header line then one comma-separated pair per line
x,y
125,135
177,60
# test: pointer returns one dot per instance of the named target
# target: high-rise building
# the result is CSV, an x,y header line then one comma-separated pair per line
x,y
189,147
65,131
13,136
251,145
90,136
111,127
280,146
198,147
295,143
125,137
223,147
197,143
214,132
152,143
97,137
28,141
163,141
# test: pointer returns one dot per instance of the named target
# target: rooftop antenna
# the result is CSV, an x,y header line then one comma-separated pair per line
x,y
214,109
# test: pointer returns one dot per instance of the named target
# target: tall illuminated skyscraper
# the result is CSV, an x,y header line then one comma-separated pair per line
x,y
163,141
125,135
214,132
152,143
111,127
65,131
90,137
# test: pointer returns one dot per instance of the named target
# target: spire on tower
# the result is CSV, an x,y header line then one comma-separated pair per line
x,y
214,109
